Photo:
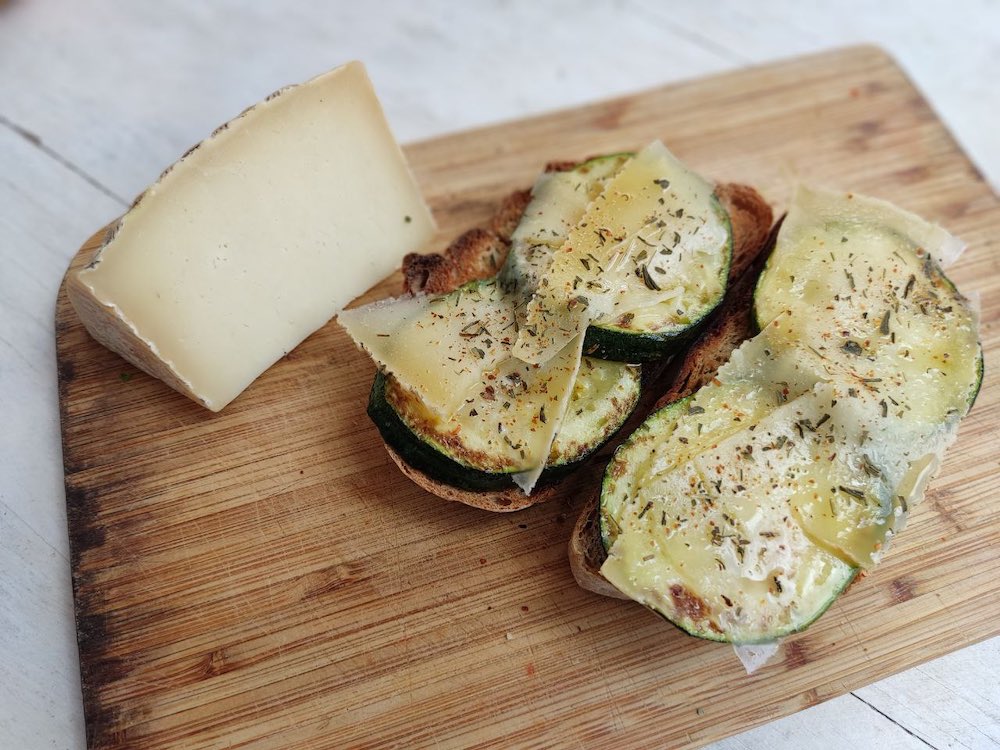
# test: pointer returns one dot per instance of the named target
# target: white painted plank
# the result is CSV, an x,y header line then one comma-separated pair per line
x,y
945,48
143,81
40,701
47,213
844,723
950,703
440,66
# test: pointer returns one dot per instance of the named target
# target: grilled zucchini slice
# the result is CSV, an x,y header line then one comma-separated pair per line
x,y
472,450
634,250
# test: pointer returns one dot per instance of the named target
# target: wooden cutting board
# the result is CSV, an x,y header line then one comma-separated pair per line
x,y
266,577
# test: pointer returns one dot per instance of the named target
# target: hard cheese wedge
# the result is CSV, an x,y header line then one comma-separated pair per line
x,y
255,238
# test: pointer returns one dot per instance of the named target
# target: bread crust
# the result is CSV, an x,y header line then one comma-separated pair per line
x,y
479,253
498,501
476,254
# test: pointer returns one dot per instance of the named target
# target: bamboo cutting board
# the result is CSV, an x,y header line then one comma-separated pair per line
x,y
267,578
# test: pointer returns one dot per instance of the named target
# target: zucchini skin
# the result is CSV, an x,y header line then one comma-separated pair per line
x,y
615,468
981,371
651,424
980,361
437,465
620,344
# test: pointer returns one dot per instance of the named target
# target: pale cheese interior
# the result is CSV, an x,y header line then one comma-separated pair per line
x,y
263,233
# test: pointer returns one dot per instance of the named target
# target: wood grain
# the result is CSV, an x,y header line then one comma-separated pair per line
x,y
265,577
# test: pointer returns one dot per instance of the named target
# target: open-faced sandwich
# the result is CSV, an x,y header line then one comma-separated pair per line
x,y
518,352
802,425
754,496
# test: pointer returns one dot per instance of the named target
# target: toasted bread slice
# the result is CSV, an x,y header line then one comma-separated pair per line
x,y
479,253
731,324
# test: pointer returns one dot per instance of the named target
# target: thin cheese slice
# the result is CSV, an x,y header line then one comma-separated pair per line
x,y
255,239
558,201
454,352
552,388
814,208
437,347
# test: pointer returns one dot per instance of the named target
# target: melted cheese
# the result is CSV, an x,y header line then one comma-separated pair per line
x,y
654,235
454,352
741,511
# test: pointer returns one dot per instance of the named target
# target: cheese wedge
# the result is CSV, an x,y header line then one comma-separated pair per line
x,y
255,239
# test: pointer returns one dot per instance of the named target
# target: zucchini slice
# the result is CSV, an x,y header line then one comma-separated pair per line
x,y
558,202
473,451
740,513
645,263
694,508
890,317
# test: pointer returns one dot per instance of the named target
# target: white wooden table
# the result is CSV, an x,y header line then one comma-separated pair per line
x,y
96,98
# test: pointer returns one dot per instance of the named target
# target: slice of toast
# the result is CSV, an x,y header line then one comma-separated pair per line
x,y
730,325
479,253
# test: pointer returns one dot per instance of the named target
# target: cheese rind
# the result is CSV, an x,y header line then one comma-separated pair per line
x,y
255,239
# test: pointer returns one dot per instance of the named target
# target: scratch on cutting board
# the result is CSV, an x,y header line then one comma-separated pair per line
x,y
618,720
857,638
